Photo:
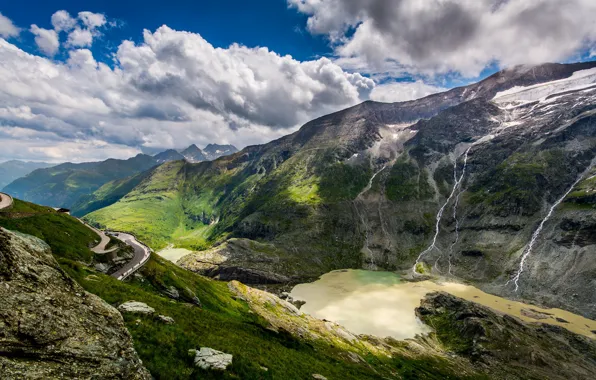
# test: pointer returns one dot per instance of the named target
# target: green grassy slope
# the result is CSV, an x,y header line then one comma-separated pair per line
x,y
63,185
67,237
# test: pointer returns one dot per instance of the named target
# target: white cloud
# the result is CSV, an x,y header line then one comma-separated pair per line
x,y
46,40
79,38
171,90
62,21
92,20
7,28
403,91
441,36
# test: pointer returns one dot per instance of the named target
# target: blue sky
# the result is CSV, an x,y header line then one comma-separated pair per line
x,y
97,79
261,23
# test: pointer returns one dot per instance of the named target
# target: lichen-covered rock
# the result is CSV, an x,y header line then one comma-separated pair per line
x,y
208,358
50,327
136,307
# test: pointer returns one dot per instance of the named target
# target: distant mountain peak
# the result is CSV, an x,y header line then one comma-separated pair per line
x,y
213,151
168,155
193,154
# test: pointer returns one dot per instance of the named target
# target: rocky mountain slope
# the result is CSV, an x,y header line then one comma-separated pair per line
x,y
454,184
193,154
214,151
51,327
11,170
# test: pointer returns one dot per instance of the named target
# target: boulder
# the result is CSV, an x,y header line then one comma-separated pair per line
x,y
165,319
208,358
50,327
318,377
136,307
172,292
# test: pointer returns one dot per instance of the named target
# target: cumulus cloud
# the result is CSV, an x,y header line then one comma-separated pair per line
x,y
440,36
170,90
79,38
62,21
92,20
402,91
46,40
7,28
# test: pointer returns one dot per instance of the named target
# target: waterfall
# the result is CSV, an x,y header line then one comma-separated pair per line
x,y
536,233
442,209
362,219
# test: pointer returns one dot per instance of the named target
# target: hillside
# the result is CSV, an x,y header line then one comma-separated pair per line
x,y
63,185
14,169
268,337
363,187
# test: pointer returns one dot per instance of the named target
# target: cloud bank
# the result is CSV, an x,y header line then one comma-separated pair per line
x,y
172,89
440,36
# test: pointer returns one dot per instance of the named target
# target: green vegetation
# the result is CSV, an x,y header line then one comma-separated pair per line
x,y
222,321
106,195
65,184
407,182
67,237
517,184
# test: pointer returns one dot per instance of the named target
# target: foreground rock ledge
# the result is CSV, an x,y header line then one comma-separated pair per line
x,y
504,346
50,327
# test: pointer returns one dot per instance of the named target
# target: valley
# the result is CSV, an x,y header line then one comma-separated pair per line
x,y
419,239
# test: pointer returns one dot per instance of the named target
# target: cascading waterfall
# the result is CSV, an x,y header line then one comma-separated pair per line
x,y
460,183
439,216
536,233
362,219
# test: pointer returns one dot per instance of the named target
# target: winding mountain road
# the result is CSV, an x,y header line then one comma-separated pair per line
x,y
105,240
142,254
5,201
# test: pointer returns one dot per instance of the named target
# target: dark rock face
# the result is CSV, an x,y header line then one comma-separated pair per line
x,y
169,155
214,151
505,347
50,327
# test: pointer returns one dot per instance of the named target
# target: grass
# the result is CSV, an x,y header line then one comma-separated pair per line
x,y
66,236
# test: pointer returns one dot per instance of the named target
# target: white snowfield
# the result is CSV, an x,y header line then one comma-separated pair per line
x,y
580,80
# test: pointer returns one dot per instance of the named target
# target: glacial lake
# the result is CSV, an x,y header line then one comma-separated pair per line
x,y
381,304
173,254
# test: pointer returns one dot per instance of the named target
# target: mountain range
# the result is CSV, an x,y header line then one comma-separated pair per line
x,y
85,187
11,170
456,183
194,154
492,184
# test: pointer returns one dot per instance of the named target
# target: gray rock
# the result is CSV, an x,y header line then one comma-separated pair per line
x,y
318,377
208,358
136,307
172,292
165,319
51,327
102,267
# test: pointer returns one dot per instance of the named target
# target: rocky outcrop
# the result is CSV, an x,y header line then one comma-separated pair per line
x,y
50,327
136,307
208,358
237,259
505,347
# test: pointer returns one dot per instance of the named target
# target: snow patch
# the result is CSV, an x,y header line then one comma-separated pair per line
x,y
577,81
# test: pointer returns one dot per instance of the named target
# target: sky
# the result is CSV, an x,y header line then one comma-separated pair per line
x,y
84,81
